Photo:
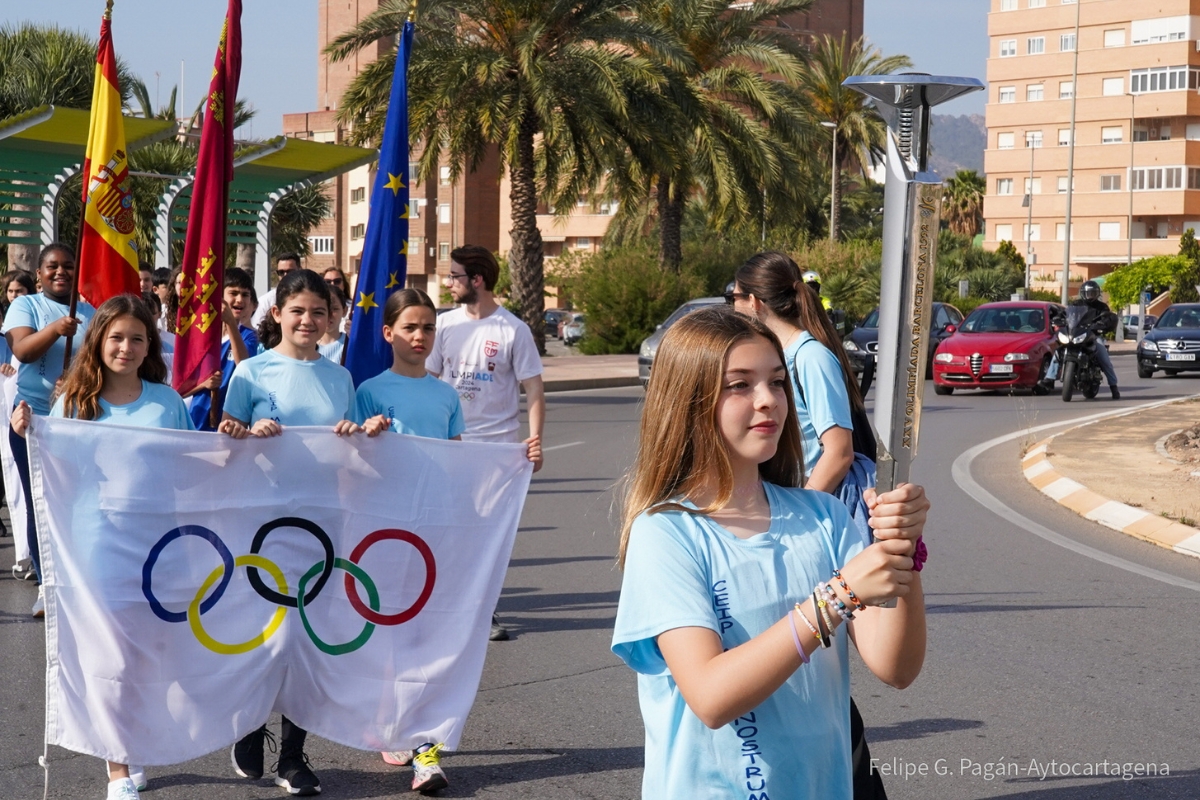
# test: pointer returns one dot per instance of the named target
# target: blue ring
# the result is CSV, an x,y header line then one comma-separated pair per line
x,y
152,559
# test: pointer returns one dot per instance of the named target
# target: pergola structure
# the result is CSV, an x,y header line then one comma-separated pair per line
x,y
262,176
39,151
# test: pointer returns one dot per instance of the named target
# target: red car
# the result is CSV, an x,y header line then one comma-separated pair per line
x,y
998,346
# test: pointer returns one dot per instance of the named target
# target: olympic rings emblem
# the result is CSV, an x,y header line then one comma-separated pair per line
x,y
321,571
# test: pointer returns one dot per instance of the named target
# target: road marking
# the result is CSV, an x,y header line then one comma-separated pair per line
x,y
961,472
560,446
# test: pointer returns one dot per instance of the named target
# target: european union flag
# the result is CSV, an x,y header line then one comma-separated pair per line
x,y
384,261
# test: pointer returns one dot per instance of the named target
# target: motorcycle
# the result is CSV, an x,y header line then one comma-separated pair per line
x,y
1080,369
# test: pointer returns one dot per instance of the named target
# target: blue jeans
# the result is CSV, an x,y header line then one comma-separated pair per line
x,y
1102,358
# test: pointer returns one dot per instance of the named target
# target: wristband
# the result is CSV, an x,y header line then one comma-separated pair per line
x,y
837,604
920,554
824,631
858,604
816,633
824,611
796,639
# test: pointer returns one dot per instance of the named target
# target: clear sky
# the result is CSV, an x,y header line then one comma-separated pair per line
x,y
279,73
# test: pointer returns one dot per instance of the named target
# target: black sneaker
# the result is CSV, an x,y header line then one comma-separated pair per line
x,y
247,754
1116,393
499,632
294,776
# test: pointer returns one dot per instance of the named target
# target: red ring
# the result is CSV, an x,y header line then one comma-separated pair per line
x,y
430,576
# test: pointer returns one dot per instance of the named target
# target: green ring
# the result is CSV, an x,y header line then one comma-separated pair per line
x,y
372,600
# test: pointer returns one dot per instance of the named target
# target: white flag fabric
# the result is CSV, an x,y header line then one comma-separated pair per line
x,y
14,492
195,583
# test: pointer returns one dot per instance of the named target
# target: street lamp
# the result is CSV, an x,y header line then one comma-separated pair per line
x,y
1028,203
833,183
1129,224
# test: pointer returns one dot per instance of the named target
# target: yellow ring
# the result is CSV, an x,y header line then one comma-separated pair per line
x,y
193,612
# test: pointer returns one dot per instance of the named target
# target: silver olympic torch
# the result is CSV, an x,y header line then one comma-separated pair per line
x,y
911,216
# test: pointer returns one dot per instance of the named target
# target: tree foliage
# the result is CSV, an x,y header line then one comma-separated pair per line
x,y
1125,284
962,202
47,65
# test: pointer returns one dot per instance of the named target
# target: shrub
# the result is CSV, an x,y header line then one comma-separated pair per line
x,y
1124,284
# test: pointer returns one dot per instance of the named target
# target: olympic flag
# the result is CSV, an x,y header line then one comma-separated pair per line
x,y
195,583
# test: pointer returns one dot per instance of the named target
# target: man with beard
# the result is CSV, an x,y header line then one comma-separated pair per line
x,y
487,354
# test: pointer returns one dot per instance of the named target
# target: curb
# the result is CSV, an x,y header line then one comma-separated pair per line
x,y
1040,472
575,384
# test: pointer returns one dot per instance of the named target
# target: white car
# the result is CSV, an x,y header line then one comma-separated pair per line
x,y
573,330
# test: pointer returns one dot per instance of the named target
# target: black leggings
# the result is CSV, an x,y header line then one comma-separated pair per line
x,y
20,451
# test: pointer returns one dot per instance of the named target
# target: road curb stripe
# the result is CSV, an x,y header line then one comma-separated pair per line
x,y
1038,468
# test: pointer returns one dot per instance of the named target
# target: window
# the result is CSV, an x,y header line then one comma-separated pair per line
x,y
1110,183
1008,5
1113,87
414,207
1066,42
1004,186
1008,47
358,231
1163,79
444,176
1033,92
444,214
1066,90
1005,141
1110,230
610,208
443,251
1114,38
1037,3
414,172
1062,184
1064,137
321,245
1035,45
1035,184
1173,177
583,243
1157,178
1004,233
1164,133
1141,135
1031,233
1060,231
358,195
1033,138
1008,94
1162,29
1194,179
414,245
1111,135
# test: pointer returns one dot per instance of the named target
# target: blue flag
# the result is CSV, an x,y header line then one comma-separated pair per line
x,y
384,261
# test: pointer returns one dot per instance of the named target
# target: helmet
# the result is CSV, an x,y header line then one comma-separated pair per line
x,y
1089,291
810,277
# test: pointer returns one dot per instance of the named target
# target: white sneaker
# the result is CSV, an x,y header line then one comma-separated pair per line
x,y
138,776
122,789
39,605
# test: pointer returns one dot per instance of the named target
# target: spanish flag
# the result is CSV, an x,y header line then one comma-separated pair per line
x,y
108,260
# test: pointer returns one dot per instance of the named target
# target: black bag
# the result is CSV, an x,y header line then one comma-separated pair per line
x,y
868,785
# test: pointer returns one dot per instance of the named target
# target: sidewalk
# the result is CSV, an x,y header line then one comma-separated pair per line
x,y
566,373
1116,472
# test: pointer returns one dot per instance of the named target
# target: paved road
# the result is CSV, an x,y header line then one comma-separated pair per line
x,y
1036,653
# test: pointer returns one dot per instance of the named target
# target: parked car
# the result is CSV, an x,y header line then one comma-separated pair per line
x,y
863,341
1130,323
650,344
998,346
573,330
553,317
1173,344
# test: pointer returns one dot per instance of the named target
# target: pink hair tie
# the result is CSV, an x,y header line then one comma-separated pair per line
x,y
920,554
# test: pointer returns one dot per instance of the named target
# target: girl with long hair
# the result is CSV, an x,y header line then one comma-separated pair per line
x,y
16,283
737,581
117,377
333,343
289,383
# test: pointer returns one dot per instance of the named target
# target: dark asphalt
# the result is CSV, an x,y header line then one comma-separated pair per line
x,y
1037,655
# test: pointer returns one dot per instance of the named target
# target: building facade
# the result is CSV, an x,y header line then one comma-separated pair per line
x,y
1137,111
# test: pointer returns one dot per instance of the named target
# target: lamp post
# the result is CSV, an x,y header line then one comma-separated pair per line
x,y
833,183
1028,203
1066,275
1129,224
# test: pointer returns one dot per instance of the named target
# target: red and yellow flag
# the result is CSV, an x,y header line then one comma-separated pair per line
x,y
198,348
108,259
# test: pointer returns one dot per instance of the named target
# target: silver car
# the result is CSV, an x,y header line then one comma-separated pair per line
x,y
650,345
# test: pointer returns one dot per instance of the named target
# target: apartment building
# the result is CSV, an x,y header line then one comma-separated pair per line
x,y
474,209
1137,112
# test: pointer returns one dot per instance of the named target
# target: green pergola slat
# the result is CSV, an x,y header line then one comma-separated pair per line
x,y
14,213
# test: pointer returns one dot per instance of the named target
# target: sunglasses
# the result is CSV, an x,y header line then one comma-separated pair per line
x,y
733,297
338,282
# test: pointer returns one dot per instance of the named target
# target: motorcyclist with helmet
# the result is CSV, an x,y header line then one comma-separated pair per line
x,y
1101,320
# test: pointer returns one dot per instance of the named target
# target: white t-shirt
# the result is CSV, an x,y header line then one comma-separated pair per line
x,y
485,361
264,306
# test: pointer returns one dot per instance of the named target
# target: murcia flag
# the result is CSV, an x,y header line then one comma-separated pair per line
x,y
108,259
195,583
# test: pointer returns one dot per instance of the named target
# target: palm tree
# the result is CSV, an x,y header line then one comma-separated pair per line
x,y
857,127
962,202
141,94
546,82
733,100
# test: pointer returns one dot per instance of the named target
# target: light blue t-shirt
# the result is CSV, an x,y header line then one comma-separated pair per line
x,y
290,391
417,406
684,570
35,381
158,406
820,391
333,350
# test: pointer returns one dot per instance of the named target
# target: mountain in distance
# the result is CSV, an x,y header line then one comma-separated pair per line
x,y
957,143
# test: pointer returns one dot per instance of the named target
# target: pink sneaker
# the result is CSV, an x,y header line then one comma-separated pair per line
x,y
398,758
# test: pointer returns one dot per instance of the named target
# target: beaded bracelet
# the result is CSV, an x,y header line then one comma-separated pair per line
x,y
826,632
796,639
838,605
816,633
825,615
853,597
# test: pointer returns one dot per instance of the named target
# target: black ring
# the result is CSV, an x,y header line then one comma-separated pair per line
x,y
290,522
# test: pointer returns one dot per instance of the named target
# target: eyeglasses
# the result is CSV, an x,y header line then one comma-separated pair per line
x,y
454,276
733,297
